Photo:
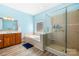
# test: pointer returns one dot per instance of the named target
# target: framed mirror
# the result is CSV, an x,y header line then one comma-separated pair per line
x,y
10,25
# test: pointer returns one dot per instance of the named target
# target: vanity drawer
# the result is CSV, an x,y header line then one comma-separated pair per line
x,y
7,35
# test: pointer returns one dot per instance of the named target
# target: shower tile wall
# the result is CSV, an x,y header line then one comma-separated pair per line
x,y
73,30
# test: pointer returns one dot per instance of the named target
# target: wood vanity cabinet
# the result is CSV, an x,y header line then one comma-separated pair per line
x,y
10,39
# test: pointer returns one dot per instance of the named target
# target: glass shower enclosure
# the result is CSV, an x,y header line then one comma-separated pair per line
x,y
64,36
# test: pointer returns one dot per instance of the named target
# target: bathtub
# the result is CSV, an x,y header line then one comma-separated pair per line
x,y
34,37
36,40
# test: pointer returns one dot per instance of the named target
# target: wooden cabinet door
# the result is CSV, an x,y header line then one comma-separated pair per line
x,y
18,38
12,39
9,40
6,40
1,40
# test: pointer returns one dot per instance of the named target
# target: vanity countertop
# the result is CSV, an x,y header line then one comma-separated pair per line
x,y
7,32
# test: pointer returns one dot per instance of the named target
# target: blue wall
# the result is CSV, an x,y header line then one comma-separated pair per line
x,y
25,21
48,14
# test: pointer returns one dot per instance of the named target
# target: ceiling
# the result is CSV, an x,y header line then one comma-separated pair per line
x,y
32,8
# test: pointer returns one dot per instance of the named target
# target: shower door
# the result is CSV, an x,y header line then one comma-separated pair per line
x,y
57,41
73,30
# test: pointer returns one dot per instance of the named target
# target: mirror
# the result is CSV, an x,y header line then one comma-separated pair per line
x,y
8,25
40,27
1,23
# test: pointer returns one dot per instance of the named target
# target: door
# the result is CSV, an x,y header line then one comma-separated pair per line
x,y
57,41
